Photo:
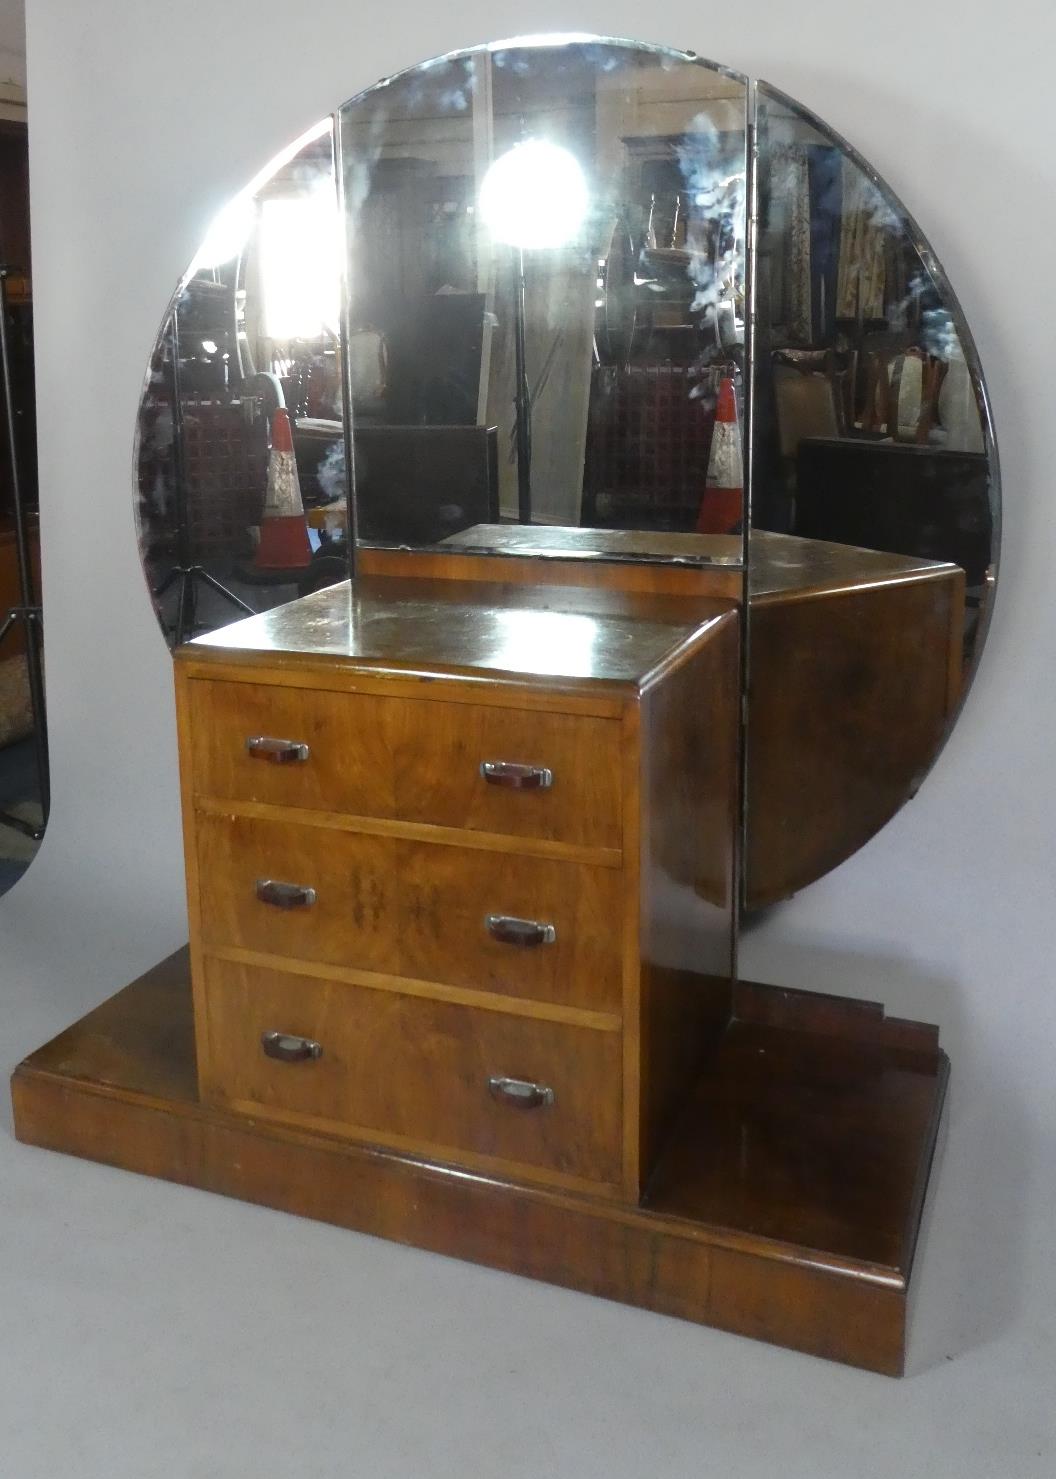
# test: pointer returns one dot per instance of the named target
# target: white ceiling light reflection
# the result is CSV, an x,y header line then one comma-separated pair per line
x,y
300,265
534,195
546,641
230,228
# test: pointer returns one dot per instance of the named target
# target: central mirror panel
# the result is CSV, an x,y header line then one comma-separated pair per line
x,y
545,303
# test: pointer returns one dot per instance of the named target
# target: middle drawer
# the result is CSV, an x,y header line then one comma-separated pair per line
x,y
483,920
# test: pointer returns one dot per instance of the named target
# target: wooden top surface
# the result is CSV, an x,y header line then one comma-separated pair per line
x,y
642,545
553,632
784,565
779,564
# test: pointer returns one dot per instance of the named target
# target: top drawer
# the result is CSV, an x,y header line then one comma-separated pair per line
x,y
416,760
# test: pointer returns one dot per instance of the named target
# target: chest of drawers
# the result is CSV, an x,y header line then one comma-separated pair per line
x,y
460,869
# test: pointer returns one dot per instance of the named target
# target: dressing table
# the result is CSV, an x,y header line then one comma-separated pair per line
x,y
471,834
461,896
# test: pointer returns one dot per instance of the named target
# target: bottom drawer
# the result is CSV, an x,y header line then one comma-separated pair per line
x,y
416,1073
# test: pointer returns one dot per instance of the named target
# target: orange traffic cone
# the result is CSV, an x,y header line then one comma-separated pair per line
x,y
284,543
722,506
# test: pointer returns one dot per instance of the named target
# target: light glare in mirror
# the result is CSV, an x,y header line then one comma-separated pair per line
x,y
534,195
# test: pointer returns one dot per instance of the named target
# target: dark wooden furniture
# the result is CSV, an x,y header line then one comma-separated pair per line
x,y
855,653
785,1206
460,880
466,875
414,484
902,498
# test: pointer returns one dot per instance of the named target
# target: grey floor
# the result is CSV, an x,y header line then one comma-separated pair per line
x,y
148,1330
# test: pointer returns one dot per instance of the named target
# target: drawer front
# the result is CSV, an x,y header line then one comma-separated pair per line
x,y
453,915
345,915
438,771
348,767
416,1073
417,760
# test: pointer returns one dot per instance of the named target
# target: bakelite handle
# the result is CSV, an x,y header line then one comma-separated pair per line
x,y
519,1093
277,751
284,895
287,1048
525,932
516,777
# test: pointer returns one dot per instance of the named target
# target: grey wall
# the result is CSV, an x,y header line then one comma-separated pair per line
x,y
145,118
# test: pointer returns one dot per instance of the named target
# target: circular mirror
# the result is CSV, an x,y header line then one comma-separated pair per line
x,y
506,303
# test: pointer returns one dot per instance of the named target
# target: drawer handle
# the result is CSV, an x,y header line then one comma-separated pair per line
x,y
284,895
516,777
286,1048
525,932
520,1094
278,751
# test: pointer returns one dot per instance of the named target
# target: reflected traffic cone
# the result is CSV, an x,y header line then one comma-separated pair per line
x,y
284,544
722,506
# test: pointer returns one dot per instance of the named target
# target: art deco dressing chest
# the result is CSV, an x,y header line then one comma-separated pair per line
x,y
614,638
439,829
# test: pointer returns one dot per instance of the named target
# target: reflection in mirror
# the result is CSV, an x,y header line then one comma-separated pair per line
x,y
242,398
546,293
875,480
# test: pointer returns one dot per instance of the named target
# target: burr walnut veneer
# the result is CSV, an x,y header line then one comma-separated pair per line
x,y
460,864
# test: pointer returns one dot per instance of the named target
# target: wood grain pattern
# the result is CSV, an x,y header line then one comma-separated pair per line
x,y
336,821
121,1087
589,574
404,759
851,694
413,1071
413,909
437,753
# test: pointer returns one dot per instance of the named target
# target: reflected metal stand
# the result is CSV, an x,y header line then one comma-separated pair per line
x,y
186,571
27,614
522,397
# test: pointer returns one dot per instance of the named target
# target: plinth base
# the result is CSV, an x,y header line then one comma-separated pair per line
x,y
786,1206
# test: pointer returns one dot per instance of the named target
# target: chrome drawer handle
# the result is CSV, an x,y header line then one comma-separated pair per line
x,y
284,895
286,1048
516,777
520,1094
278,751
510,931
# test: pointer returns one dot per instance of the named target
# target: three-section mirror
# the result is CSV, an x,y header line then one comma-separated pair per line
x,y
581,300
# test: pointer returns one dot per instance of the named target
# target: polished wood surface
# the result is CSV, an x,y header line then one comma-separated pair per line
x,y
471,628
640,545
856,670
369,756
815,1251
783,566
567,568
413,909
414,1073
366,789
852,691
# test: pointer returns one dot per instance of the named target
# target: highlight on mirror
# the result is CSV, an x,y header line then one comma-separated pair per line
x,y
542,332
247,358
546,256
